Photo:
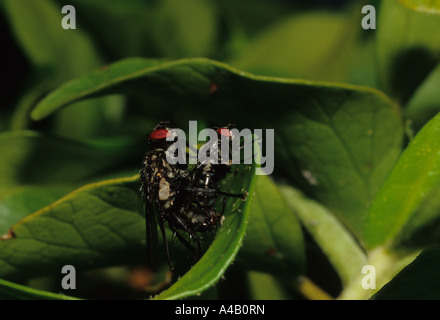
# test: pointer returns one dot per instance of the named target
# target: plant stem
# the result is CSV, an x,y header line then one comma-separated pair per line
x,y
311,291
386,265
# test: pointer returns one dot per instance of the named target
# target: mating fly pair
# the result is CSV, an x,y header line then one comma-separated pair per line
x,y
183,196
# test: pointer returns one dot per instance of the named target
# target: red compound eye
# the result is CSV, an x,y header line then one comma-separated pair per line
x,y
225,132
160,134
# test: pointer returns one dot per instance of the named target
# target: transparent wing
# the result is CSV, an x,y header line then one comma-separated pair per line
x,y
150,217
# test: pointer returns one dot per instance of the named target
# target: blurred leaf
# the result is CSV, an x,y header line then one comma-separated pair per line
x,y
123,29
297,47
96,225
274,239
20,119
13,291
18,202
408,200
166,29
189,28
407,51
339,246
425,103
253,16
228,240
68,52
57,55
338,141
418,281
263,286
242,21
32,158
429,6
362,65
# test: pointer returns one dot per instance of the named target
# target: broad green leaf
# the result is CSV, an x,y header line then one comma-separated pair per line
x,y
13,291
429,6
101,224
32,158
406,48
228,240
343,146
99,80
339,246
19,202
408,200
96,225
338,141
274,239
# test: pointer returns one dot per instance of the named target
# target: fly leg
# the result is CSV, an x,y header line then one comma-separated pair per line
x,y
187,244
243,196
165,241
181,224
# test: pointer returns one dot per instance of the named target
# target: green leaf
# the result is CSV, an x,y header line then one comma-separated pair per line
x,y
228,240
96,225
33,158
425,103
407,51
94,82
13,291
263,286
20,119
274,239
100,225
429,6
338,141
289,48
57,55
408,199
19,202
343,146
49,45
189,27
339,246
122,30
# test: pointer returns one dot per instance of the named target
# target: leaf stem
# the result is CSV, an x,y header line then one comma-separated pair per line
x,y
311,291
386,265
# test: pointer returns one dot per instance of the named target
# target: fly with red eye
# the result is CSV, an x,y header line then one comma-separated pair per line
x,y
159,134
206,180
204,192
186,198
161,184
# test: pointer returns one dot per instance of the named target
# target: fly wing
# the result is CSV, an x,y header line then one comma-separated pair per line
x,y
151,210
151,233
150,217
